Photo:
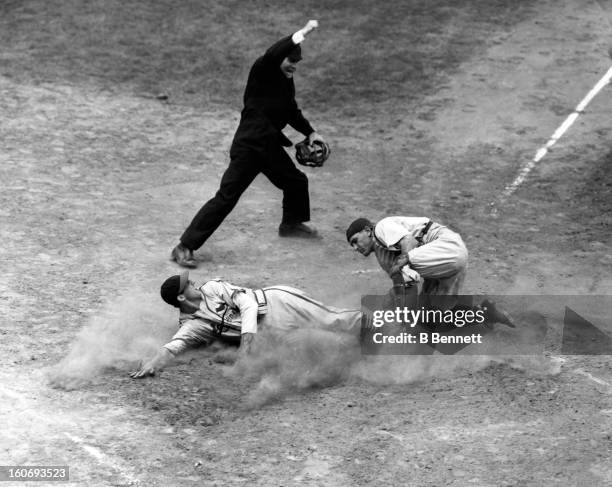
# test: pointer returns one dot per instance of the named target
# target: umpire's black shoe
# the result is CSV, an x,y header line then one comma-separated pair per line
x,y
493,314
183,256
298,230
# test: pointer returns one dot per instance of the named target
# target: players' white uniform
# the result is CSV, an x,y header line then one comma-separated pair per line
x,y
227,311
439,256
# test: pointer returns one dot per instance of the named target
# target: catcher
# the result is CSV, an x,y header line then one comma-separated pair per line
x,y
415,249
258,147
219,311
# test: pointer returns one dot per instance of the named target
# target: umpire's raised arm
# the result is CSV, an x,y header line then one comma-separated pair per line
x,y
283,48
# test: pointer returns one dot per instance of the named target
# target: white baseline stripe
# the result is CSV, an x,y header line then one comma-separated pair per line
x,y
98,454
104,459
542,151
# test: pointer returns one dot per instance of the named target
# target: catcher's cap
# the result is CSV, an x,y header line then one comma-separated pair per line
x,y
173,286
357,226
296,54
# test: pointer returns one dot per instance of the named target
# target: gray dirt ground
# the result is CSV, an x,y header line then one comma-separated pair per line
x,y
99,178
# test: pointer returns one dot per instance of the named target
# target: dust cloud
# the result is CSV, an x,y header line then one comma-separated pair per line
x,y
125,330
309,359
312,359
298,361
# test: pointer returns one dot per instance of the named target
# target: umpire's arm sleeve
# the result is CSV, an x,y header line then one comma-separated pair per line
x,y
298,121
279,51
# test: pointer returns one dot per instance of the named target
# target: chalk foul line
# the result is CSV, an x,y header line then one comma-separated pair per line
x,y
569,121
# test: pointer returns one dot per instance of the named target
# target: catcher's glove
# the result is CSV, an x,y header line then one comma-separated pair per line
x,y
311,155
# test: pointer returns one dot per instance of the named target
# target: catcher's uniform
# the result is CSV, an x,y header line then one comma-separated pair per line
x,y
438,255
227,311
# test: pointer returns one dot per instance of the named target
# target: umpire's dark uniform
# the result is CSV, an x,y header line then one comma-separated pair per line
x,y
269,105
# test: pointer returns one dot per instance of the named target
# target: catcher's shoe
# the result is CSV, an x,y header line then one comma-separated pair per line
x,y
298,230
183,256
493,314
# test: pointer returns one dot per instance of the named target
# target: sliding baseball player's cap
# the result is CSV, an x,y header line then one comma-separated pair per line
x,y
357,226
173,286
296,54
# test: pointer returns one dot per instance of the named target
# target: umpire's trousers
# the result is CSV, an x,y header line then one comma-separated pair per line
x,y
245,164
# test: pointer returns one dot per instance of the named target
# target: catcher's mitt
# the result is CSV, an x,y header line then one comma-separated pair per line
x,y
311,155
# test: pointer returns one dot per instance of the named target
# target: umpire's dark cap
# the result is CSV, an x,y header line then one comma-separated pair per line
x,y
173,286
357,226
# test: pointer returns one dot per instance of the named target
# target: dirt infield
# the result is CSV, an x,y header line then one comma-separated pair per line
x,y
431,108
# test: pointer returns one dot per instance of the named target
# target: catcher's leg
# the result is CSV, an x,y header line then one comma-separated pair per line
x,y
237,177
443,258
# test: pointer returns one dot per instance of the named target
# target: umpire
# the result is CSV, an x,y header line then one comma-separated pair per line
x,y
258,146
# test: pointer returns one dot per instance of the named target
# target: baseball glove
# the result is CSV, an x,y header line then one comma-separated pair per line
x,y
311,155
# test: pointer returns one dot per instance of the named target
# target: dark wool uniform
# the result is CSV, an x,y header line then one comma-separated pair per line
x,y
269,105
